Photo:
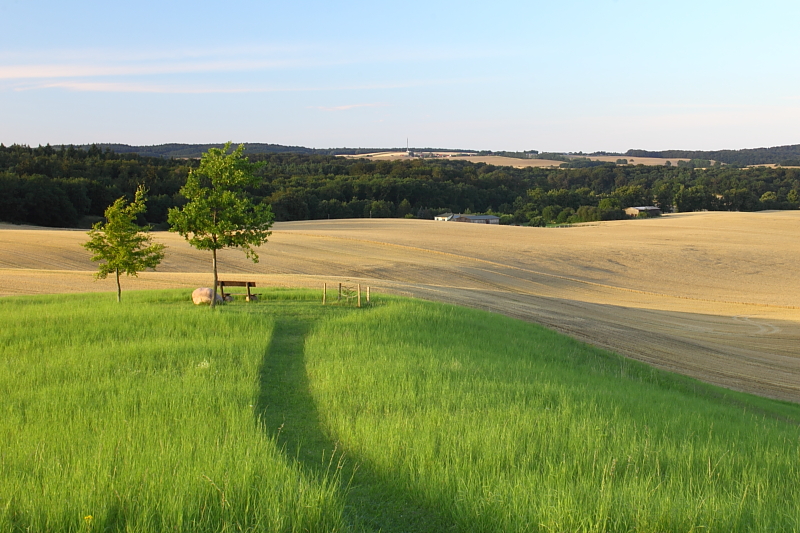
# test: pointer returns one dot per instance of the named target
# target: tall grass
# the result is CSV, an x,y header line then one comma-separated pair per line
x,y
155,415
141,417
505,426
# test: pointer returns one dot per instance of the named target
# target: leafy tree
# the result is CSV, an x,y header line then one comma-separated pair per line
x,y
769,199
381,209
631,196
404,208
693,199
551,212
564,215
219,213
121,243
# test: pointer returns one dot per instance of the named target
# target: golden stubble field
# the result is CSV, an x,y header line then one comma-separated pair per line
x,y
515,162
715,296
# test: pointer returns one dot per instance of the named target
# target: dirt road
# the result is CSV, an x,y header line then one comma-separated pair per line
x,y
711,295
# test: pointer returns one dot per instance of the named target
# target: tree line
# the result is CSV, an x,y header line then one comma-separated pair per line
x,y
71,187
782,155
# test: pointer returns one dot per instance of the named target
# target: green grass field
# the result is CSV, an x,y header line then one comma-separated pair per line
x,y
284,415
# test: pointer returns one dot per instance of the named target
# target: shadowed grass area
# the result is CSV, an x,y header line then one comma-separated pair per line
x,y
501,425
284,415
288,411
139,417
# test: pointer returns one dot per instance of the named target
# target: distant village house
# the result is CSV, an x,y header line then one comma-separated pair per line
x,y
475,219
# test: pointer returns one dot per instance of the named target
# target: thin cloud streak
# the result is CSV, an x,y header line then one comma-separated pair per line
x,y
94,63
104,55
26,72
136,87
350,106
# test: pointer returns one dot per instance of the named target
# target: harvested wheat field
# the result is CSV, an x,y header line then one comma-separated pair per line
x,y
459,156
515,162
647,161
714,295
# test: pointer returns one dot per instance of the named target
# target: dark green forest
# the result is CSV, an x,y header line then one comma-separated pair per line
x,y
178,150
781,155
71,187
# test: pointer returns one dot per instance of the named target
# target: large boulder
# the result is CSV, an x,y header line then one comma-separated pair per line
x,y
203,295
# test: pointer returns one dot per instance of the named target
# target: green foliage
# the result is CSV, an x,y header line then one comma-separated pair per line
x,y
218,213
695,163
381,209
58,187
564,215
121,245
631,196
769,200
37,200
694,198
404,208
585,162
747,156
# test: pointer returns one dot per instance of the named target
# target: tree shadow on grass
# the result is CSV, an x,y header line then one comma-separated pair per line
x,y
373,501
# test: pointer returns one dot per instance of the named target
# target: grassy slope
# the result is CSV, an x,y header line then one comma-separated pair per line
x,y
156,415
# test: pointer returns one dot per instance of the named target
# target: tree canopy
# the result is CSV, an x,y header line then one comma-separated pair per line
x,y
219,213
64,187
120,245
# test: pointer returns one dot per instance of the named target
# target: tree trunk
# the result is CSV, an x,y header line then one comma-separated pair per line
x,y
214,265
119,289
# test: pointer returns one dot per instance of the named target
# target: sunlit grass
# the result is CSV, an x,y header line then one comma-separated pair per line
x,y
141,415
505,426
155,415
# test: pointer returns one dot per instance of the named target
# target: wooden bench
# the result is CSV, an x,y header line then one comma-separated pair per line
x,y
247,284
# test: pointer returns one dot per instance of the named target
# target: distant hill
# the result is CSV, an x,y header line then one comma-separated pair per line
x,y
785,155
178,150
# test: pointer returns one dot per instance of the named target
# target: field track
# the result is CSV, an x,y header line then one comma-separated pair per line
x,y
715,296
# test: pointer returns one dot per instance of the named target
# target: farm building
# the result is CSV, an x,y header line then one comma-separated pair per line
x,y
475,219
649,210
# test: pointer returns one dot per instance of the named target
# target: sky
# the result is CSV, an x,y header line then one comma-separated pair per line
x,y
550,76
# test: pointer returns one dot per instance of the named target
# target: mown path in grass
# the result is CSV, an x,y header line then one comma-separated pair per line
x,y
289,413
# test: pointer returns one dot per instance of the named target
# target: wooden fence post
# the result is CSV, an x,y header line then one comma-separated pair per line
x,y
359,295
324,292
340,292
367,293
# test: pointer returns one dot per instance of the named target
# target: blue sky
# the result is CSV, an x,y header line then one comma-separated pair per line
x,y
562,76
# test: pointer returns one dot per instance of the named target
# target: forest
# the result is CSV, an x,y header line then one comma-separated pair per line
x,y
782,155
71,187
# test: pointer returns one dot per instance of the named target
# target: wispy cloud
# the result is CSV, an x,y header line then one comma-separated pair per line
x,y
132,87
349,106
55,71
259,69
207,88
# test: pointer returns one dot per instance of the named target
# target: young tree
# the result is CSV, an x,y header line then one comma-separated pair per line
x,y
121,243
219,214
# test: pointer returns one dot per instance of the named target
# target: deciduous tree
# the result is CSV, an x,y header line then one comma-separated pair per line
x,y
219,213
120,244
